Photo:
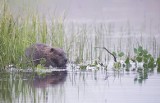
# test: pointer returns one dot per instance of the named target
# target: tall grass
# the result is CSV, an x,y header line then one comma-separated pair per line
x,y
18,33
78,40
57,32
10,39
15,35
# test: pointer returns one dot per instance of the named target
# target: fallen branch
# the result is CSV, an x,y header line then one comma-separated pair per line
x,y
115,59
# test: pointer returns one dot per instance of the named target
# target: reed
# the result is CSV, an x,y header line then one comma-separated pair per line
x,y
14,37
17,33
57,33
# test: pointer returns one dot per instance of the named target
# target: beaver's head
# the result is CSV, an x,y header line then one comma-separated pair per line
x,y
57,57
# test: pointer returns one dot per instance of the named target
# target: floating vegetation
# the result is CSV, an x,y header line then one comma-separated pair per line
x,y
141,57
83,67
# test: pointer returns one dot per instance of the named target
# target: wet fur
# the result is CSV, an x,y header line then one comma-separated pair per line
x,y
55,57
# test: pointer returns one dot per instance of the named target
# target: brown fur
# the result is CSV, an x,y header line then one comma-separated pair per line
x,y
53,56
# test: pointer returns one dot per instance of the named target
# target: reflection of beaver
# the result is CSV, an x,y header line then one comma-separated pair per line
x,y
54,78
53,56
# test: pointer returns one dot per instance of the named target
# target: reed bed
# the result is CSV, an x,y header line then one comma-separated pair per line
x,y
77,39
18,33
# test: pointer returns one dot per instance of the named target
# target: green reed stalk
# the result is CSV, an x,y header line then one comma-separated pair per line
x,y
57,33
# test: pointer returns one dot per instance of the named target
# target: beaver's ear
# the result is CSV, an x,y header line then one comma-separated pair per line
x,y
52,50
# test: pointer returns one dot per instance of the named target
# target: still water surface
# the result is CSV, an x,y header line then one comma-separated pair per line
x,y
80,87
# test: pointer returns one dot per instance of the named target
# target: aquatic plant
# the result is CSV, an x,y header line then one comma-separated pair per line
x,y
142,55
57,33
158,64
117,64
127,63
17,33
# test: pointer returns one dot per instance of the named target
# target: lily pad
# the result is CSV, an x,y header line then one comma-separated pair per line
x,y
139,59
120,54
114,53
135,51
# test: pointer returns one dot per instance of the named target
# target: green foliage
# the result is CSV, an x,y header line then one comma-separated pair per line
x,y
117,65
11,40
158,64
83,67
128,64
18,33
120,54
142,55
114,53
40,69
127,61
43,61
139,59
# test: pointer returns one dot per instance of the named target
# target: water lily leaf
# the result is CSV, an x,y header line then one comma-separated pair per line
x,y
158,61
145,65
158,64
149,55
114,53
127,61
140,49
135,51
139,59
152,59
140,54
146,56
151,65
145,60
120,54
145,52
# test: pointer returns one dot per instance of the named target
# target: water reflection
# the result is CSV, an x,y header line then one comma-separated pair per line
x,y
50,79
30,87
79,86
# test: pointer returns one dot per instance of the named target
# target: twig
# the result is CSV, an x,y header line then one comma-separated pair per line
x,y
115,59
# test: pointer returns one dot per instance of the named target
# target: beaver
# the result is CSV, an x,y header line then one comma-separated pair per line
x,y
54,57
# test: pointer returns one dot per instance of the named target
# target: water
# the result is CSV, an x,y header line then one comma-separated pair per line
x,y
93,10
117,25
80,86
